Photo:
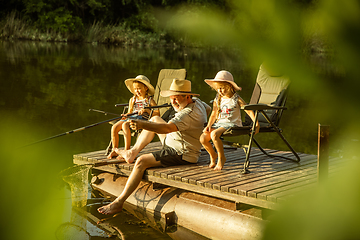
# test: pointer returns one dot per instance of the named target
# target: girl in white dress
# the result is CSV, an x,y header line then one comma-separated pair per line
x,y
225,114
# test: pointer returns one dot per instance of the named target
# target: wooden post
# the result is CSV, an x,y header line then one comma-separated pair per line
x,y
323,152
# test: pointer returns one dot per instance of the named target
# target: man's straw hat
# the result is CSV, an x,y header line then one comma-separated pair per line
x,y
223,76
179,87
140,78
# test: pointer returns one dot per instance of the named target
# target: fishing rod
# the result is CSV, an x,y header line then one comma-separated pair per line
x,y
106,113
126,115
159,106
121,105
75,130
149,107
94,124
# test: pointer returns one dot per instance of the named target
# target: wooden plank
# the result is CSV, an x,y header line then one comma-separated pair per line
x,y
217,176
217,194
191,176
203,161
284,175
284,180
282,186
186,175
283,192
271,180
258,173
298,184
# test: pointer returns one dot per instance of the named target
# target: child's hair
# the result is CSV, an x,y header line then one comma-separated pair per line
x,y
218,102
147,97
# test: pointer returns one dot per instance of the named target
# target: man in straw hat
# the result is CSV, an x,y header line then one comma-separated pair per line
x,y
179,136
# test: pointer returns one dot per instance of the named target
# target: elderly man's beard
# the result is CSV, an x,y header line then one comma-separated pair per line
x,y
179,106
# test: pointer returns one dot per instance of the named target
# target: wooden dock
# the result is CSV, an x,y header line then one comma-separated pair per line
x,y
271,181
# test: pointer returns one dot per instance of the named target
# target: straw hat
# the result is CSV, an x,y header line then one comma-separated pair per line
x,y
223,76
140,78
178,87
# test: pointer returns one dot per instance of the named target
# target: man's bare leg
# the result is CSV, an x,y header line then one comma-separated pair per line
x,y
143,162
142,141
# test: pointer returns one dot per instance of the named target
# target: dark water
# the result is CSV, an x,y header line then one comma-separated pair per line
x,y
48,89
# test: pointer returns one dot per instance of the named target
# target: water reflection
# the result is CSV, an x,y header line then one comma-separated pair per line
x,y
83,223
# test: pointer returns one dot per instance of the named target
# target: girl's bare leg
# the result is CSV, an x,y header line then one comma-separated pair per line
x,y
143,139
205,141
127,135
215,136
115,138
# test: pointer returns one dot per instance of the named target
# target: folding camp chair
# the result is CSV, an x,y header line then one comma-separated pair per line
x,y
268,98
165,79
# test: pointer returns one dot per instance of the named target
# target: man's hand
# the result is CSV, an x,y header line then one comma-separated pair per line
x,y
135,124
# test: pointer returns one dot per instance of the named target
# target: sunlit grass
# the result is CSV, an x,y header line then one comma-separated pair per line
x,y
15,28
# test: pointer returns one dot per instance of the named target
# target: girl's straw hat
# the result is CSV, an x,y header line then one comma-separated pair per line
x,y
223,76
140,78
178,87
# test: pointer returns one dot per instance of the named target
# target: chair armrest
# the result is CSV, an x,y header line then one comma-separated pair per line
x,y
260,106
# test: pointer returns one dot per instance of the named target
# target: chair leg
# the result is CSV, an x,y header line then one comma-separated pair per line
x,y
289,146
283,138
247,161
108,149
261,149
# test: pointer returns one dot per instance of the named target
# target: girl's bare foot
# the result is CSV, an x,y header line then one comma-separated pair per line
x,y
213,160
220,164
111,154
111,208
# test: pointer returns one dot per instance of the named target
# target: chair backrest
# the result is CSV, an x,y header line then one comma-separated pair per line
x,y
165,79
270,89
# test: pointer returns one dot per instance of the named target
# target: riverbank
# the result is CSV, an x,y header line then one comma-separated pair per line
x,y
16,28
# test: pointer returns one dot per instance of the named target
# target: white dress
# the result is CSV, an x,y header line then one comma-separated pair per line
x,y
230,111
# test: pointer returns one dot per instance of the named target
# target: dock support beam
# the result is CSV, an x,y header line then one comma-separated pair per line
x,y
323,152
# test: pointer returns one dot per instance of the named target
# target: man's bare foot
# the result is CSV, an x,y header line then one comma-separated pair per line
x,y
128,155
111,154
111,208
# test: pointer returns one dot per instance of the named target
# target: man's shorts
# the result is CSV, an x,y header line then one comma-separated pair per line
x,y
169,157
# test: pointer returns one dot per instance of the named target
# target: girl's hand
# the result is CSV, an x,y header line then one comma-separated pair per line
x,y
207,129
142,111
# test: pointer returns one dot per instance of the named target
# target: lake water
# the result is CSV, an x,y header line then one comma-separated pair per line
x,y
48,89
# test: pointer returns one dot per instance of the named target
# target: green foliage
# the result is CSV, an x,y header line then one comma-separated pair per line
x,y
70,20
59,20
